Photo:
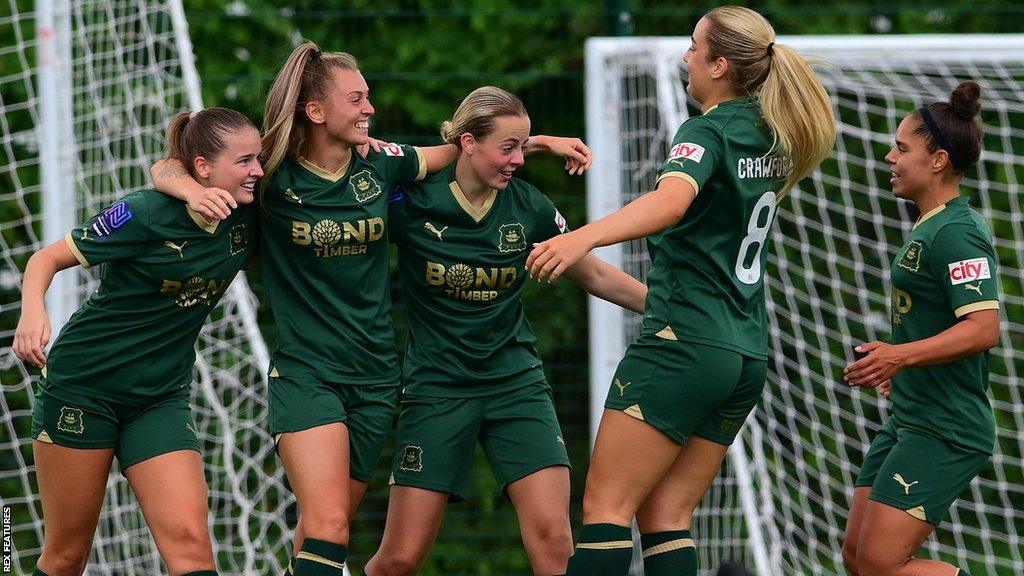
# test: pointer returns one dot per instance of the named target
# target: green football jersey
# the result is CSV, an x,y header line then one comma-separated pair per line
x,y
706,282
163,268
325,255
462,271
944,271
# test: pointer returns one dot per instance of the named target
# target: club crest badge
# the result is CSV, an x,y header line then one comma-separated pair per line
x,y
911,259
364,186
71,420
412,460
511,237
236,239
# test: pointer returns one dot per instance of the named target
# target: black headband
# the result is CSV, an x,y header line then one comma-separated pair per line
x,y
940,139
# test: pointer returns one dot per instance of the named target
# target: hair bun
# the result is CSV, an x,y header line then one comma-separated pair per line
x,y
964,101
448,132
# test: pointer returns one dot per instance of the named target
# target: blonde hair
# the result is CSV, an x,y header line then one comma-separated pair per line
x,y
792,99
305,76
477,112
201,133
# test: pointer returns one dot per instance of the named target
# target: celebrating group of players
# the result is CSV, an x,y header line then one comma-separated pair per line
x,y
117,379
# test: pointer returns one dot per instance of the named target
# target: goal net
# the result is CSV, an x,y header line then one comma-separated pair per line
x,y
781,503
87,88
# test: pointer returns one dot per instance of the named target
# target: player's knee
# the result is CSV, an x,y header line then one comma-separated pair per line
x,y
329,525
400,563
553,535
68,559
188,547
662,519
602,509
850,556
874,563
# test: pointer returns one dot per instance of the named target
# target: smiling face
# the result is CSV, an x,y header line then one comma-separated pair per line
x,y
495,157
913,168
236,168
345,111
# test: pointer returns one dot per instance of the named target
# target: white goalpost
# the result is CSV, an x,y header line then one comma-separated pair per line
x,y
87,89
780,504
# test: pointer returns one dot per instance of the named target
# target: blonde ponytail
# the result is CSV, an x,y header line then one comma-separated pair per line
x,y
792,99
304,76
477,112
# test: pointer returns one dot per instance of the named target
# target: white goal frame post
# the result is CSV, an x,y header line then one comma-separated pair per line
x,y
610,327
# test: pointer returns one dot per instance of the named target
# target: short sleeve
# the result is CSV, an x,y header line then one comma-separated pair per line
x,y
964,262
694,154
117,233
550,222
400,164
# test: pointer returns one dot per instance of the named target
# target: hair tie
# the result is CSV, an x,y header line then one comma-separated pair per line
x,y
192,115
940,138
769,51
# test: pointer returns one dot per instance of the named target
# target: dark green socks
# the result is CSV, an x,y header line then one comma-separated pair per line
x,y
320,558
670,553
603,550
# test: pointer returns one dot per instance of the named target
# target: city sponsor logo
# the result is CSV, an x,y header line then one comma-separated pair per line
x,y
911,259
686,151
237,242
391,149
71,420
968,271
560,222
110,220
511,237
364,186
463,282
330,238
195,290
770,167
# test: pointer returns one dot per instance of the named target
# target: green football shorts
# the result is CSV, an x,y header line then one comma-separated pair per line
x,y
368,410
918,473
685,389
437,438
137,431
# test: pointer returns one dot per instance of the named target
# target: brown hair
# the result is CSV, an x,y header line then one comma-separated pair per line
x,y
792,99
477,112
305,76
954,127
201,133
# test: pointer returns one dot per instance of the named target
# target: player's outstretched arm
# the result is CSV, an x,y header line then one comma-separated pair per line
x,y
648,214
33,332
170,177
608,283
577,154
975,332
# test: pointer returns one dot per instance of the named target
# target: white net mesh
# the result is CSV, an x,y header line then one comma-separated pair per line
x,y
827,288
125,85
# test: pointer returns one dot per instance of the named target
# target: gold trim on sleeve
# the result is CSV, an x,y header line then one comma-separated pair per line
x,y
78,253
422,173
682,176
975,307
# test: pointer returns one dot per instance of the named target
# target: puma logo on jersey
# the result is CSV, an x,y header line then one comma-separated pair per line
x,y
559,440
433,229
291,194
622,387
906,487
975,288
176,247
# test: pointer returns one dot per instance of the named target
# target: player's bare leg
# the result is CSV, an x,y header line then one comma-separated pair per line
x,y
614,492
314,459
71,486
542,505
889,537
414,519
171,490
853,528
666,515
